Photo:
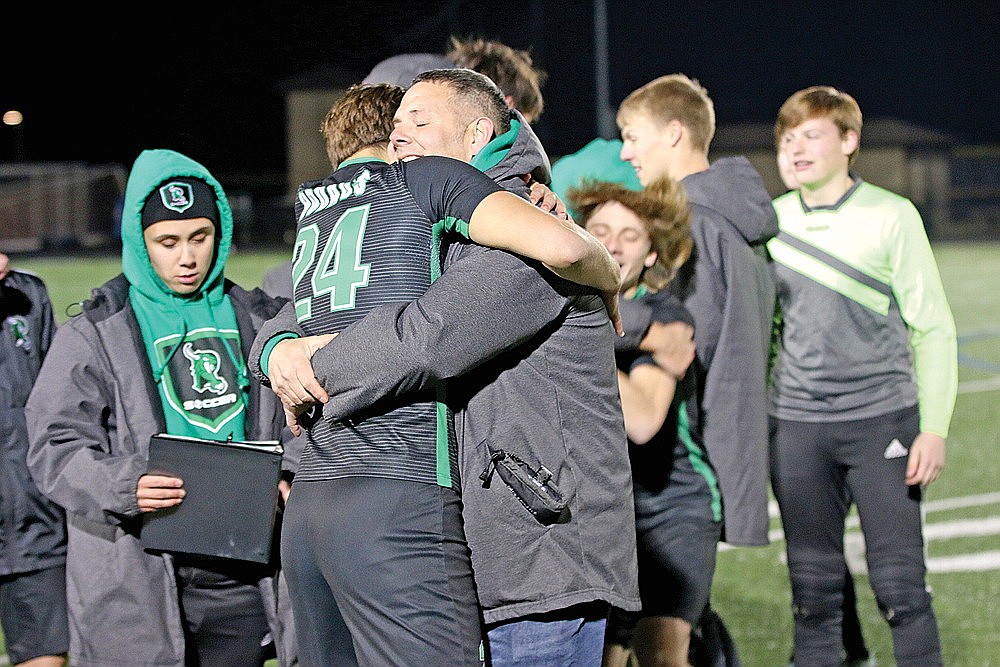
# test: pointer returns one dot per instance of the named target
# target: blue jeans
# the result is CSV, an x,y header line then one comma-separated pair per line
x,y
571,637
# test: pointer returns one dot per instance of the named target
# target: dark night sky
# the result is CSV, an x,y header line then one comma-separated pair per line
x,y
207,81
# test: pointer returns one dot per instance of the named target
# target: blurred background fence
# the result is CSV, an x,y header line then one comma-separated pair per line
x,y
77,206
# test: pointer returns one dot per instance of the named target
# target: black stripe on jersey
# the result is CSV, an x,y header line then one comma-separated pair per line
x,y
835,263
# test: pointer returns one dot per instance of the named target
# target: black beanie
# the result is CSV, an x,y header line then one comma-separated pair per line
x,y
180,198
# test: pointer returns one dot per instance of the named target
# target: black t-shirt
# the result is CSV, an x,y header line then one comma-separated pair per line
x,y
653,461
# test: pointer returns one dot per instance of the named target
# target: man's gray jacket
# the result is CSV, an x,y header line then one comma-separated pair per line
x,y
527,361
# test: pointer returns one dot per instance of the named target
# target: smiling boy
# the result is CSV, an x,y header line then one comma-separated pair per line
x,y
864,383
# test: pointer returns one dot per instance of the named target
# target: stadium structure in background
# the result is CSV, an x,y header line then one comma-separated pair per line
x,y
66,206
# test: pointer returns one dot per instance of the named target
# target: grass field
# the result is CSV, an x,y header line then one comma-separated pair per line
x,y
751,588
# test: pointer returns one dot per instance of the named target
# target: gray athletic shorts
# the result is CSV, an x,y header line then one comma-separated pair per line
x,y
33,613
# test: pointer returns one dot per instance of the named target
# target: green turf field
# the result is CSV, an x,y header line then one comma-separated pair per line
x,y
751,590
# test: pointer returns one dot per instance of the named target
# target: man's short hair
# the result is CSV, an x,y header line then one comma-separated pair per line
x,y
511,69
674,97
663,208
818,102
475,94
362,118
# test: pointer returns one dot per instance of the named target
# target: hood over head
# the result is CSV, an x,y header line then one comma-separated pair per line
x,y
153,168
732,188
514,154
403,68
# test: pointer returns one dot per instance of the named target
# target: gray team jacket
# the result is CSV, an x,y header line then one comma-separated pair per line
x,y
527,361
729,290
32,527
90,417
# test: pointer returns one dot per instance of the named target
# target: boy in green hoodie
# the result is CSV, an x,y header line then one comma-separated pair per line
x,y
159,348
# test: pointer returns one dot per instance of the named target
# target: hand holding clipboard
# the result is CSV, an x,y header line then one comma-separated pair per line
x,y
211,498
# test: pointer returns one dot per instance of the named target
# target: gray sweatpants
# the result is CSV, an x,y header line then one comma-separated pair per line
x,y
816,469
379,573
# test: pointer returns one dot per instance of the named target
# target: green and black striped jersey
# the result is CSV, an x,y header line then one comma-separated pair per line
x,y
866,326
369,235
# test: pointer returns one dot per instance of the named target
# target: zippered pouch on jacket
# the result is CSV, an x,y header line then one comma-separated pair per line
x,y
535,489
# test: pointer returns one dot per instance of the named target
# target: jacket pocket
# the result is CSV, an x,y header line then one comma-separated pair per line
x,y
534,488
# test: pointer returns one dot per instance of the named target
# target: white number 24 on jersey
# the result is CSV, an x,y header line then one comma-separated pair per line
x,y
338,269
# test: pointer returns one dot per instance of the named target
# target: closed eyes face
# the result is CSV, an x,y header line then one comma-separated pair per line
x,y
624,234
425,124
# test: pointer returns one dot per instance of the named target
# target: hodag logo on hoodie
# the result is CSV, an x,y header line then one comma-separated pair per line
x,y
200,381
21,331
205,365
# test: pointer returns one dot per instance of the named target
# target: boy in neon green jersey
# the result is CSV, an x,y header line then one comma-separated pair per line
x,y
864,383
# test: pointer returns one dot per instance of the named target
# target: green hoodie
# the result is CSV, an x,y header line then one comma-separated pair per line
x,y
192,340
599,160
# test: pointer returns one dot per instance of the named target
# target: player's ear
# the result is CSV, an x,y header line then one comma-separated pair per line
x,y
674,130
849,142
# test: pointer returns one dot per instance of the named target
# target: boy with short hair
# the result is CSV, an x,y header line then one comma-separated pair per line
x,y
667,126
864,383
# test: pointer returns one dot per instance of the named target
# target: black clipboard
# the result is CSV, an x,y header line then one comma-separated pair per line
x,y
231,504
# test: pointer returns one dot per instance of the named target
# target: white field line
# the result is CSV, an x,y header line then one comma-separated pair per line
x,y
947,530
942,505
979,386
854,551
854,547
929,506
979,562
961,501
854,543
